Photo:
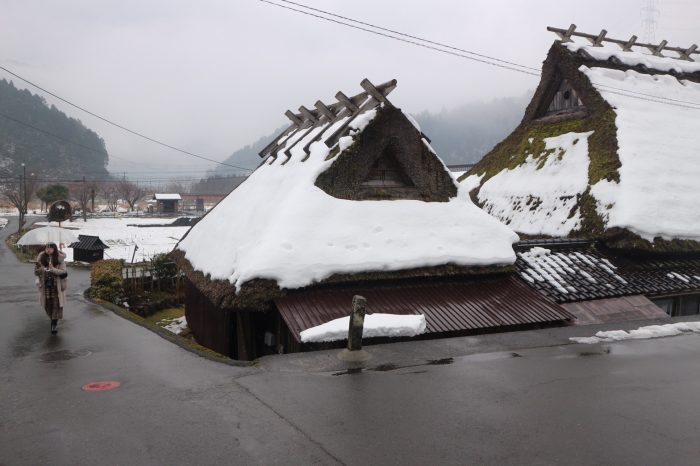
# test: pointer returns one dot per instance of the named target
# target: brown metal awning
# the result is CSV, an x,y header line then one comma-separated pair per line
x,y
450,308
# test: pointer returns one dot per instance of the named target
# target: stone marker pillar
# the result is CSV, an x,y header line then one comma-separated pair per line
x,y
357,322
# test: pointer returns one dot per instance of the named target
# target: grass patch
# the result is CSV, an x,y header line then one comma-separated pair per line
x,y
23,254
168,315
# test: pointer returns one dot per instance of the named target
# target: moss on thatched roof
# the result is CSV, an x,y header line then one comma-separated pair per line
x,y
597,116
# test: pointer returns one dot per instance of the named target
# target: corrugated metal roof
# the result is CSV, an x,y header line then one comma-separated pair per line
x,y
454,307
88,243
573,272
623,309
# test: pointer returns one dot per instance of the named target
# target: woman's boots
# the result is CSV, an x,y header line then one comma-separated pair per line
x,y
54,326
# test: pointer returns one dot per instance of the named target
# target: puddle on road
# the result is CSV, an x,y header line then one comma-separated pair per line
x,y
440,362
64,355
392,367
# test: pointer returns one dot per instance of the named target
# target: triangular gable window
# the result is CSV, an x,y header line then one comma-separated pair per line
x,y
565,100
387,173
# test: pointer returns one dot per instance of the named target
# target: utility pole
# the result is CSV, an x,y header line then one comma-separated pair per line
x,y
24,187
19,207
650,14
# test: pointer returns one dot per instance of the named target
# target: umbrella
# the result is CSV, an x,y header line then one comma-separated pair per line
x,y
45,235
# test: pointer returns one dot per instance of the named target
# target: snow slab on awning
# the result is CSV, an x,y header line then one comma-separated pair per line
x,y
453,308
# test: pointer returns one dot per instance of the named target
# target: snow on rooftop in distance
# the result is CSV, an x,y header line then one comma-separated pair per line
x,y
278,225
167,197
659,148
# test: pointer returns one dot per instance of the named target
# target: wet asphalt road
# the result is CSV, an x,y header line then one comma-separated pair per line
x,y
625,403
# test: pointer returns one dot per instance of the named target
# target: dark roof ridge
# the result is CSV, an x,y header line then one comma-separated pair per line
x,y
530,243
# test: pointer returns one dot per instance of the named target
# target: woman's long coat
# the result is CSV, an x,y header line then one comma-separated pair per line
x,y
62,282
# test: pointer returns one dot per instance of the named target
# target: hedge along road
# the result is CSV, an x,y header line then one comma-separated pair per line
x,y
171,407
553,404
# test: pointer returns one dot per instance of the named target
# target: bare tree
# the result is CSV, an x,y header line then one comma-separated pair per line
x,y
82,193
111,195
130,192
19,190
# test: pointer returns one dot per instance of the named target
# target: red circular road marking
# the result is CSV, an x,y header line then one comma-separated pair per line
x,y
100,386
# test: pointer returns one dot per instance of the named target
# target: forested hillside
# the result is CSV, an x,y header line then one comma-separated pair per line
x,y
20,110
466,133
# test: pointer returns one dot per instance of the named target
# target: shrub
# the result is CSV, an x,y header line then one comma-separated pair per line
x,y
106,280
163,267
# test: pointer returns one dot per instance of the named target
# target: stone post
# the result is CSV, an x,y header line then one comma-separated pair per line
x,y
357,322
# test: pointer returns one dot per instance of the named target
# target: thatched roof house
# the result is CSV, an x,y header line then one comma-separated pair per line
x,y
350,193
609,147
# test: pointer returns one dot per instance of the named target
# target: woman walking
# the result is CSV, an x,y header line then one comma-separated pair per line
x,y
51,280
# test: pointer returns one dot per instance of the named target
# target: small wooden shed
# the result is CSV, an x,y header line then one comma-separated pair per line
x,y
167,203
88,248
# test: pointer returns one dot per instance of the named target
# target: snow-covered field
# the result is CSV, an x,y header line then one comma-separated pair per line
x,y
122,238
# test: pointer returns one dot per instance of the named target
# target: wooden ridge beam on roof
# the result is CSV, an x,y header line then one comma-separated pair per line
x,y
329,114
268,148
627,46
378,95
346,102
657,49
382,90
685,55
598,41
293,118
324,110
306,113
566,34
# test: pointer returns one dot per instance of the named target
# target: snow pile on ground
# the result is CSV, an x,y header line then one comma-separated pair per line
x,y
3,222
537,197
278,225
175,326
659,148
376,325
122,238
635,57
650,331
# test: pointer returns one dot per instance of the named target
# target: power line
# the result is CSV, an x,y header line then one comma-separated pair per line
x,y
629,93
659,99
124,128
499,65
655,100
410,36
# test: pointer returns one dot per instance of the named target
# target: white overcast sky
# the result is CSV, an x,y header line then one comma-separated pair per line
x,y
212,76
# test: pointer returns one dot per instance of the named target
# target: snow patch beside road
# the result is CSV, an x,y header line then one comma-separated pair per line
x,y
650,331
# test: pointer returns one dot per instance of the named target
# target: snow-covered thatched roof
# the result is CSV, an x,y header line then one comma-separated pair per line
x,y
283,224
621,158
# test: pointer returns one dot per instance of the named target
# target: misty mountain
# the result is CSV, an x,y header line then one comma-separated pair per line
x,y
466,133
460,135
246,157
41,152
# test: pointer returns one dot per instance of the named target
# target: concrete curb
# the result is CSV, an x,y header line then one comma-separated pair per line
x,y
161,332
